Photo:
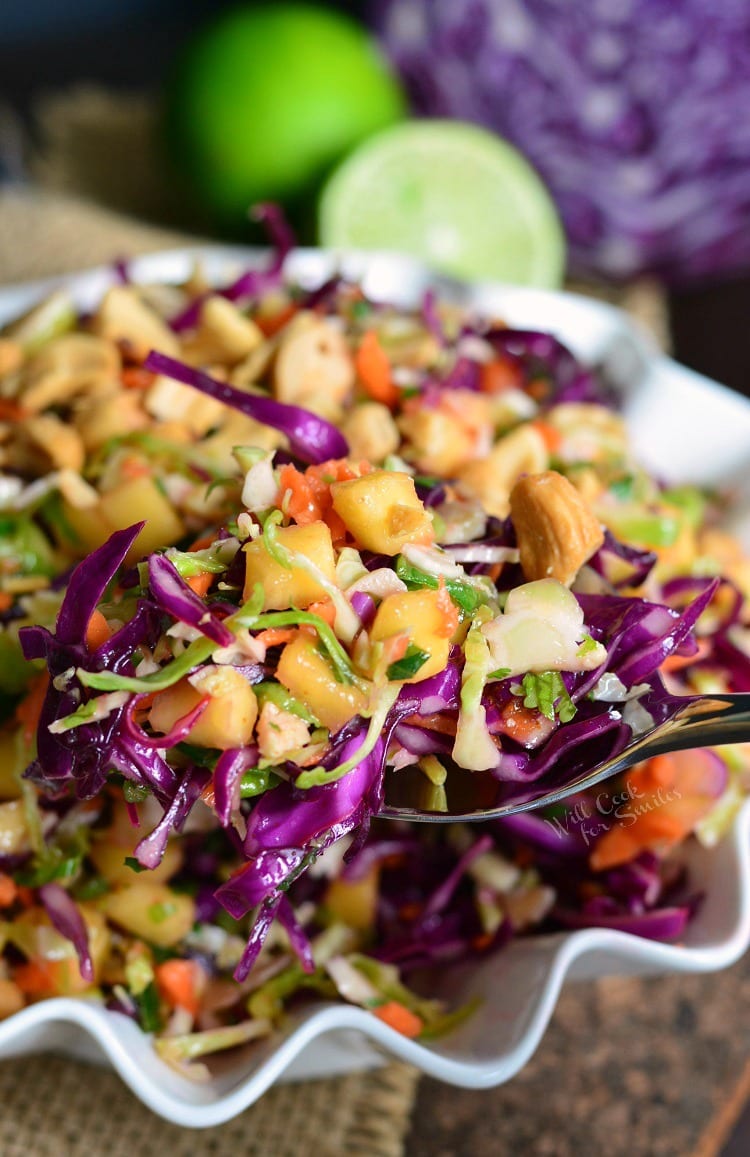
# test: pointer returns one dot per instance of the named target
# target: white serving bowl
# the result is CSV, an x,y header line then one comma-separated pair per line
x,y
684,428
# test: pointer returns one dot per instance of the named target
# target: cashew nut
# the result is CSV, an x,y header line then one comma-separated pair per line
x,y
445,438
252,369
11,356
73,364
313,367
45,443
124,317
224,334
100,418
371,432
491,480
167,399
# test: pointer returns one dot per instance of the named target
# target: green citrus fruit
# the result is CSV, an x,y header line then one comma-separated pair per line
x,y
264,101
452,194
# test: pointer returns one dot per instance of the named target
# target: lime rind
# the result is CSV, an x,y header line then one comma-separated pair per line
x,y
453,195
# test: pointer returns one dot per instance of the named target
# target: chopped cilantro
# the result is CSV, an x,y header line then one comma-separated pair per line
x,y
406,667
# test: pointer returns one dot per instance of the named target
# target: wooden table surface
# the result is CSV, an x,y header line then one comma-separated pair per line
x,y
628,1068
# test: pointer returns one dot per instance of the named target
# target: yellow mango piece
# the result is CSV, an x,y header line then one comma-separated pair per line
x,y
89,526
139,498
227,721
354,902
295,587
109,860
309,677
382,511
152,911
420,615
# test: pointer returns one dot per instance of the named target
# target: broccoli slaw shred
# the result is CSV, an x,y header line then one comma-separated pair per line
x,y
332,544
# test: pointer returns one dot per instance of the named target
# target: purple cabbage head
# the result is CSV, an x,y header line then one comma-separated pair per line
x,y
628,110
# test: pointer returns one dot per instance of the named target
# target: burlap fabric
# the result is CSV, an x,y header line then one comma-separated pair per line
x,y
54,1107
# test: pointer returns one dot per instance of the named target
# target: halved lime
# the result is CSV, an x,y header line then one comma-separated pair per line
x,y
452,194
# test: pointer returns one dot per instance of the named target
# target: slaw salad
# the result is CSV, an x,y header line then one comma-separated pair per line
x,y
326,543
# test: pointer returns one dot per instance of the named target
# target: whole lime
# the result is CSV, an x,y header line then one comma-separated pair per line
x,y
263,101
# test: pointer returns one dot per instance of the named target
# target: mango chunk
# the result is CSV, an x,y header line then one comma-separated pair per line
x,y
420,615
308,676
382,511
227,721
136,499
151,911
291,587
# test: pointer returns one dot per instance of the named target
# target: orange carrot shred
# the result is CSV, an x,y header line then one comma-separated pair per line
x,y
136,378
34,978
399,1017
374,370
275,636
272,323
551,436
200,583
205,540
30,708
180,983
498,375
97,631
325,610
8,890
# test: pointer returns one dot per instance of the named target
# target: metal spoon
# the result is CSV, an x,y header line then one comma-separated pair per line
x,y
697,721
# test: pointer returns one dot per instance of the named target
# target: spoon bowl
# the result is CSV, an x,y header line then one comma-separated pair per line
x,y
473,796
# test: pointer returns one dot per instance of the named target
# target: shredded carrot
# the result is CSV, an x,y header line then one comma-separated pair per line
x,y
551,436
306,497
302,500
374,370
97,631
275,636
11,411
201,583
669,795
30,707
449,611
35,977
678,662
325,610
272,323
208,795
443,724
657,772
132,468
24,895
396,647
180,983
500,374
8,890
398,1016
205,540
144,705
521,723
136,378
6,601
